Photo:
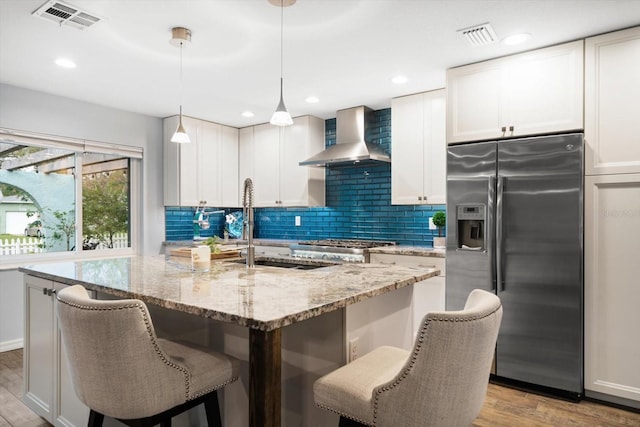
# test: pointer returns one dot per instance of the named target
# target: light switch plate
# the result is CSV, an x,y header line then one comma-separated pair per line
x,y
298,221
431,226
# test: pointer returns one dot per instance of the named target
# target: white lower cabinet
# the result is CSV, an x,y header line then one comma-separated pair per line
x,y
612,288
47,383
428,295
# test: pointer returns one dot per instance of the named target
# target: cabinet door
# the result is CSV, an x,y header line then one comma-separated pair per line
x,y
69,411
407,150
418,170
474,102
612,228
207,162
435,148
246,156
543,90
188,161
294,182
229,167
266,182
180,164
39,347
612,90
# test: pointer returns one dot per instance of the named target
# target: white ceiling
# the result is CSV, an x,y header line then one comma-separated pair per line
x,y
343,51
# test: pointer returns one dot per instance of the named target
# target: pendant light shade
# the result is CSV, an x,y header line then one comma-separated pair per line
x,y
179,36
281,116
180,136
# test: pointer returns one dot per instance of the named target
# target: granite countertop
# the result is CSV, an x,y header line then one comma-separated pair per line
x,y
409,250
264,298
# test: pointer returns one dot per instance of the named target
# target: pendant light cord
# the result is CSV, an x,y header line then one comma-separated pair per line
x,y
181,84
281,39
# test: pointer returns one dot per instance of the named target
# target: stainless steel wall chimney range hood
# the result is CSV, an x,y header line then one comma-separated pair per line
x,y
350,148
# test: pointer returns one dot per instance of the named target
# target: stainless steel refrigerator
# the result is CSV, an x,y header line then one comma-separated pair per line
x,y
515,227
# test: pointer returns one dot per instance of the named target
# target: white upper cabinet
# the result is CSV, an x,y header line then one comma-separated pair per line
x,y
612,91
203,171
266,167
530,93
269,155
418,149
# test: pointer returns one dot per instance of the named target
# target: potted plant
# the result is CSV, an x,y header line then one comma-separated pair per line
x,y
439,220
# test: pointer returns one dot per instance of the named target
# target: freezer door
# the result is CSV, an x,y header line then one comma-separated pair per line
x,y
471,175
539,250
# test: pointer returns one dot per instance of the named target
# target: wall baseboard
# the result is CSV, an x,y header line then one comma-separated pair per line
x,y
11,345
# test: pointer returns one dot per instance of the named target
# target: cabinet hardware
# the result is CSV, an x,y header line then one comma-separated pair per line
x,y
419,197
511,129
504,129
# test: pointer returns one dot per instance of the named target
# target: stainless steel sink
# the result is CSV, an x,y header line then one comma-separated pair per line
x,y
289,263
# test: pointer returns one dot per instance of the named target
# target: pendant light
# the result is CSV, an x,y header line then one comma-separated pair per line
x,y
179,36
281,116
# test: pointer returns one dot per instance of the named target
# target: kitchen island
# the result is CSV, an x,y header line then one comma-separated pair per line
x,y
263,299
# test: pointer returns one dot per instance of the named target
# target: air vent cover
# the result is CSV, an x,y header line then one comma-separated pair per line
x,y
65,14
480,35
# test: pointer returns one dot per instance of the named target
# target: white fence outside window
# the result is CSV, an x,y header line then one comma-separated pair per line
x,y
30,245
25,245
120,240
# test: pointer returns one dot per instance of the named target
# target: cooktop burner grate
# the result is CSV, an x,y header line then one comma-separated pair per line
x,y
347,243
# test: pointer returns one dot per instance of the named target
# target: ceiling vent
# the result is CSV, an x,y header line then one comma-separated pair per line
x,y
480,35
65,14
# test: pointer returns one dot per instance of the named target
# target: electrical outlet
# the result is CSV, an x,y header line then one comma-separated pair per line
x,y
431,226
354,348
298,221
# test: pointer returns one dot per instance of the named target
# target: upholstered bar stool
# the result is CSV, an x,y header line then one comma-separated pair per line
x,y
441,383
121,369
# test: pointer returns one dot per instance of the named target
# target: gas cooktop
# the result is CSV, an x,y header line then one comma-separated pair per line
x,y
344,250
347,243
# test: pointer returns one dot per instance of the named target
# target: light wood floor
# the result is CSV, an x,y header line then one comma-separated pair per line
x,y
13,413
504,407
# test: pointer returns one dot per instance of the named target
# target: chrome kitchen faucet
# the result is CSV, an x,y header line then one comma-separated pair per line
x,y
247,220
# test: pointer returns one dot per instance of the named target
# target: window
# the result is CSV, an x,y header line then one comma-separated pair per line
x,y
46,207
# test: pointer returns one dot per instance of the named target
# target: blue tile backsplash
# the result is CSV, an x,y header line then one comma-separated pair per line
x,y
358,206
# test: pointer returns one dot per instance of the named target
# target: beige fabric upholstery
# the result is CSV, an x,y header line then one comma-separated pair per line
x,y
121,369
441,383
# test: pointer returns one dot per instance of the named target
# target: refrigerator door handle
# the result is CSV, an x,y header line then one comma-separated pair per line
x,y
499,223
491,200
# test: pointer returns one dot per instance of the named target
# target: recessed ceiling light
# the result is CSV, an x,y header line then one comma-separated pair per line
x,y
312,99
65,63
247,114
399,80
516,39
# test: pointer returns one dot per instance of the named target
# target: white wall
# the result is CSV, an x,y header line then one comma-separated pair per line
x,y
11,310
32,111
